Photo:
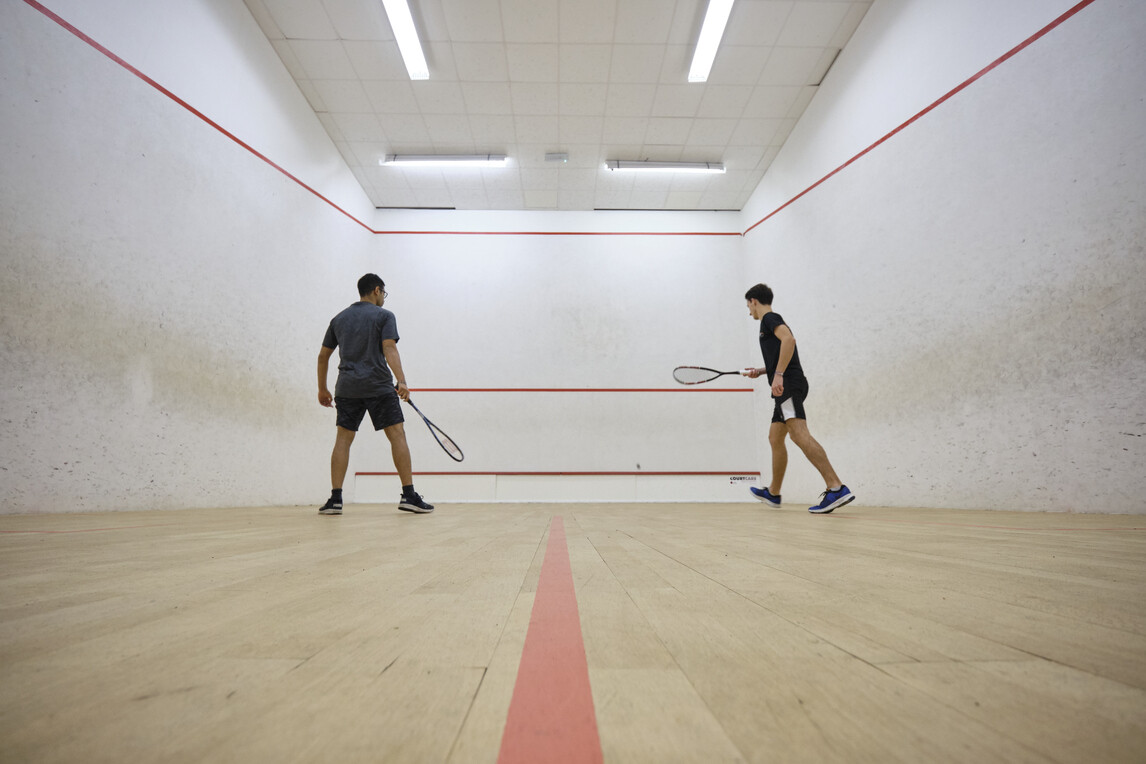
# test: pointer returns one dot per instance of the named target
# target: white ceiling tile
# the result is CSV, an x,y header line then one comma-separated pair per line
x,y
754,132
530,20
790,66
359,19
626,129
738,65
574,129
667,130
636,63
323,60
771,101
438,97
710,132
532,63
596,79
683,200
376,60
440,60
724,101
675,63
756,23
588,21
625,100
487,97
473,20
536,129
363,128
343,96
677,100
405,129
529,98
491,129
540,198
642,21
391,96
820,70
812,24
582,99
450,133
301,19
585,63
480,62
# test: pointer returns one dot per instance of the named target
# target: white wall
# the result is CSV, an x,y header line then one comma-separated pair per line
x,y
969,296
164,295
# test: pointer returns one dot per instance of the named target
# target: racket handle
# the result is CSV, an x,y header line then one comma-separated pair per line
x,y
745,372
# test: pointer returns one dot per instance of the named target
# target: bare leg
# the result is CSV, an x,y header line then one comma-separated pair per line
x,y
776,435
798,428
340,457
401,453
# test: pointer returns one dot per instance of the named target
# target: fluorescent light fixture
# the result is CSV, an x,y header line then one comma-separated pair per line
x,y
625,164
411,48
445,160
715,19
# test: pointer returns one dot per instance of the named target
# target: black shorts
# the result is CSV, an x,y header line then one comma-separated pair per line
x,y
385,411
790,405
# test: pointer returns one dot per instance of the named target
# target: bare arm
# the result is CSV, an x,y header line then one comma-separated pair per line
x,y
394,361
324,396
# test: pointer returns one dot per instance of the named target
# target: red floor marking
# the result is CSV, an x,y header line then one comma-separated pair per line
x,y
551,717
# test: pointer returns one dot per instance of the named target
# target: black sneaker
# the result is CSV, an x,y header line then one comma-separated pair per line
x,y
414,503
331,507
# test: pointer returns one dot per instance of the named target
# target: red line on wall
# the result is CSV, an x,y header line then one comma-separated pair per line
x,y
582,390
566,472
106,52
947,96
551,715
185,105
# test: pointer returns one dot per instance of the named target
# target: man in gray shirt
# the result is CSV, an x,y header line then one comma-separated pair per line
x,y
367,337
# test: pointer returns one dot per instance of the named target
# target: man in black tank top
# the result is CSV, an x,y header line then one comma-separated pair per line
x,y
789,389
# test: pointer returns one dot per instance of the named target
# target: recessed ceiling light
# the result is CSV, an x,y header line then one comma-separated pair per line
x,y
715,19
445,160
408,43
627,164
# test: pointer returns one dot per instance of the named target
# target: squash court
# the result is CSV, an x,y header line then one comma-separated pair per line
x,y
949,200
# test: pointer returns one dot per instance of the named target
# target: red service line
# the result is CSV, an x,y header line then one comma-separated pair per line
x,y
582,390
726,473
551,715
947,96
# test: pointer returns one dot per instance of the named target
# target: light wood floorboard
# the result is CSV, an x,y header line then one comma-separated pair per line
x,y
714,633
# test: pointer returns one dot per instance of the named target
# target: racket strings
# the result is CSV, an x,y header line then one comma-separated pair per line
x,y
694,375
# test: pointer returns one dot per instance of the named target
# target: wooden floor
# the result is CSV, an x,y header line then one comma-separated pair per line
x,y
713,633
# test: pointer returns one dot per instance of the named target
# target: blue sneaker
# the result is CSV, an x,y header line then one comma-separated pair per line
x,y
830,500
764,495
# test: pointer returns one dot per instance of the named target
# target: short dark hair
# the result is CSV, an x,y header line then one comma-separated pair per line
x,y
760,293
368,283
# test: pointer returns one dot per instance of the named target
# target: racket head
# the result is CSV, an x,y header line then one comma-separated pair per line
x,y
445,441
695,375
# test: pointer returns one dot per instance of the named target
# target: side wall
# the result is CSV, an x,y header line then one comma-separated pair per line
x,y
969,296
157,283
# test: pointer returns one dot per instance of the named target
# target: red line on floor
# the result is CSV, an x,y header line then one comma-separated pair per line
x,y
945,97
551,716
582,390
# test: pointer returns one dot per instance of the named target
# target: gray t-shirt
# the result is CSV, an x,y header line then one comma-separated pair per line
x,y
358,332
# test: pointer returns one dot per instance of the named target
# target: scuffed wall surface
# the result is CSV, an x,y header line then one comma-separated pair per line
x,y
164,295
969,297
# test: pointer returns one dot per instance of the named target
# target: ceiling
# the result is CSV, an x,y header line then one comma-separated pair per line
x,y
593,79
